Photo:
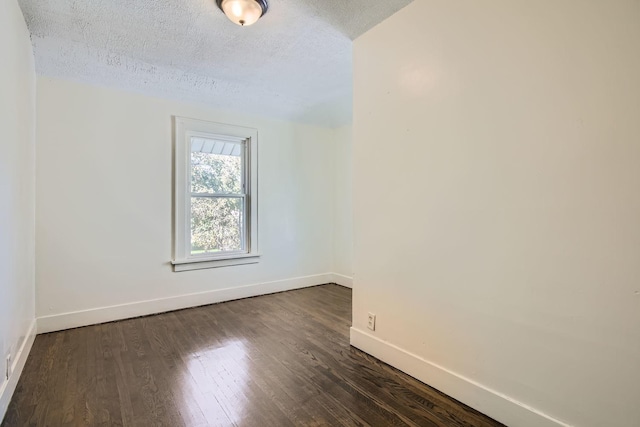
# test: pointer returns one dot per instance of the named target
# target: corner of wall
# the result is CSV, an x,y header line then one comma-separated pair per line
x,y
342,211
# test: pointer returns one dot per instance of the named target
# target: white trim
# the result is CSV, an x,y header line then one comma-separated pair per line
x,y
207,259
9,387
58,322
184,129
503,408
210,262
342,280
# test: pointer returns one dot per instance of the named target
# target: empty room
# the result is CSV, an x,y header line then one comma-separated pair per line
x,y
320,213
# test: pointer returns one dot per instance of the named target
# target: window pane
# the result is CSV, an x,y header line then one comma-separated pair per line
x,y
216,224
216,166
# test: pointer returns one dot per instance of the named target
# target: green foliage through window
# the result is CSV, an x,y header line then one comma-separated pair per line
x,y
216,221
216,173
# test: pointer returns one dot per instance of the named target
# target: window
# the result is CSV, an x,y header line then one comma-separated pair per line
x,y
215,191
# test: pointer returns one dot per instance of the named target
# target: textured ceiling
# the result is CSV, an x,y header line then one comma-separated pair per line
x,y
293,64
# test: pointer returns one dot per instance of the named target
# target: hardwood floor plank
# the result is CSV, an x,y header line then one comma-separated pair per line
x,y
276,360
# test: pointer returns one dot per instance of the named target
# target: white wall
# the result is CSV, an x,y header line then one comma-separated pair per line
x,y
343,206
497,204
104,206
17,192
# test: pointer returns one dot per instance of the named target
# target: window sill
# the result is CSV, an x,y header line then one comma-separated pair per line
x,y
203,263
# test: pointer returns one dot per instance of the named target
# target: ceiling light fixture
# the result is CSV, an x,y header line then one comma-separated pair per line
x,y
243,12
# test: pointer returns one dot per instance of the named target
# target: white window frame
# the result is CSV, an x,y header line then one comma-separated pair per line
x,y
184,130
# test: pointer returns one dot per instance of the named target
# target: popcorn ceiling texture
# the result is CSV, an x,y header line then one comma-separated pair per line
x,y
294,64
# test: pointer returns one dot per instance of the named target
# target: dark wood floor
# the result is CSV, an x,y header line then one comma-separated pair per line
x,y
276,360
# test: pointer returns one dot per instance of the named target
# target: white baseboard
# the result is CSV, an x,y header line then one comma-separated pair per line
x,y
342,280
490,402
7,389
94,316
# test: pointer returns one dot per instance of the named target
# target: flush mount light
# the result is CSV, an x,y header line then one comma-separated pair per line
x,y
243,12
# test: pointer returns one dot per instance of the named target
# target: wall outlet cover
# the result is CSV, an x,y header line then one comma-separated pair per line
x,y
371,323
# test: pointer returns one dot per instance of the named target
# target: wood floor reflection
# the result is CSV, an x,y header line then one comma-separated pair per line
x,y
276,360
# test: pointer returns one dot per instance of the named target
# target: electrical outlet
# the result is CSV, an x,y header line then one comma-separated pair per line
x,y
8,368
371,324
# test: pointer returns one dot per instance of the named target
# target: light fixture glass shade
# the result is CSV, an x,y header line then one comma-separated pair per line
x,y
242,12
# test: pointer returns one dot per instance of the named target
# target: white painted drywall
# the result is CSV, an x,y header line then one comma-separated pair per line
x,y
104,200
17,186
343,206
497,198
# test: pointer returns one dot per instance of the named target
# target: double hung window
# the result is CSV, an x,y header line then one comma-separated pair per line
x,y
215,213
